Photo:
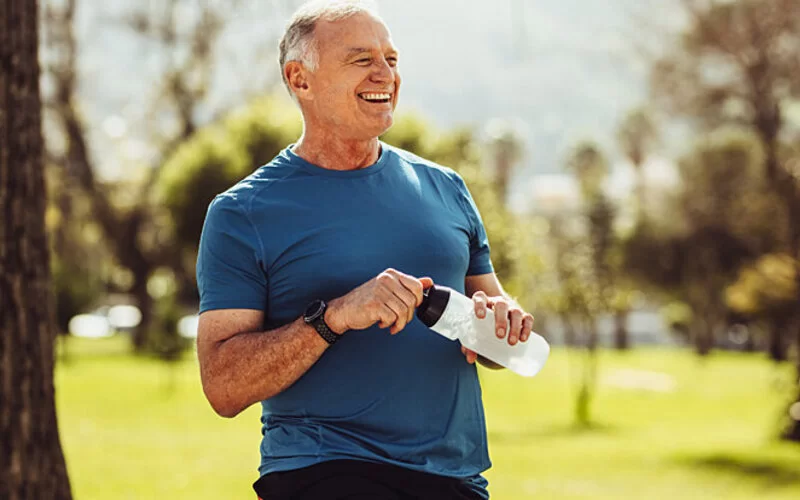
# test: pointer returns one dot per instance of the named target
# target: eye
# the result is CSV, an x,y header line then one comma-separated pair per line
x,y
392,61
363,61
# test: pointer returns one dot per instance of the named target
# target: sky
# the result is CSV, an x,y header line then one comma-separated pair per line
x,y
563,70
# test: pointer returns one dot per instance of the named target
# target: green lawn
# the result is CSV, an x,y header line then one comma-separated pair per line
x,y
668,425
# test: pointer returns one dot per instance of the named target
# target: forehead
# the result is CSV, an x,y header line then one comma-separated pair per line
x,y
360,30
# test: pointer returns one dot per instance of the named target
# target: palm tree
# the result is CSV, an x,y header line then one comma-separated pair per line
x,y
636,135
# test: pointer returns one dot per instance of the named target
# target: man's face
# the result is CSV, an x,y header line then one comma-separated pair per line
x,y
354,90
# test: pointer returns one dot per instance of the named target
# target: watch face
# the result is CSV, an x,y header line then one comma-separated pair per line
x,y
314,310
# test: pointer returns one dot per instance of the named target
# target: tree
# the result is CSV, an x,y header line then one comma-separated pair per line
x,y
215,158
128,228
736,62
31,463
720,220
636,135
79,265
506,148
587,277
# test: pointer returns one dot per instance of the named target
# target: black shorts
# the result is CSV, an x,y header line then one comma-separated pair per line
x,y
357,480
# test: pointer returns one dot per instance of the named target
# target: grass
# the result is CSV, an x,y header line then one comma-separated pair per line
x,y
667,425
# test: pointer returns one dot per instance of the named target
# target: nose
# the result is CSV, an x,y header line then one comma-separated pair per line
x,y
382,72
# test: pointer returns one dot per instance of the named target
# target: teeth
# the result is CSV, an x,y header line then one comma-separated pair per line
x,y
376,97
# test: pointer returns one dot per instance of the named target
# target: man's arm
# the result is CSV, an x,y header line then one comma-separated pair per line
x,y
241,365
510,320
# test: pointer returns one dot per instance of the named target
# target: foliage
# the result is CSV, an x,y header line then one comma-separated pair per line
x,y
735,62
637,134
766,288
78,256
127,221
722,218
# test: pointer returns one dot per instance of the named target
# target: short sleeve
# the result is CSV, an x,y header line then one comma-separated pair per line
x,y
480,261
230,274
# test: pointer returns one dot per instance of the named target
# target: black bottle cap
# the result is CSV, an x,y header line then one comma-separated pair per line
x,y
434,302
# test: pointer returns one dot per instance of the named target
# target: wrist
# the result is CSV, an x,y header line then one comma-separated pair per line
x,y
332,318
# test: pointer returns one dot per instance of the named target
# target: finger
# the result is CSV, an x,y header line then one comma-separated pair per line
x,y
501,318
414,287
481,303
527,328
469,354
387,317
408,299
391,282
514,326
399,308
426,282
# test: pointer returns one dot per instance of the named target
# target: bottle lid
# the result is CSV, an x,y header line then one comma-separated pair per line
x,y
434,302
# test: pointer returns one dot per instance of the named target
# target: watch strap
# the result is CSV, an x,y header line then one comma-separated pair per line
x,y
323,330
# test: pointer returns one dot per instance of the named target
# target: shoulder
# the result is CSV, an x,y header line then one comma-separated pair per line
x,y
426,167
240,196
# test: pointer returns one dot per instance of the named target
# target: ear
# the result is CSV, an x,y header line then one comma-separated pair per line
x,y
296,75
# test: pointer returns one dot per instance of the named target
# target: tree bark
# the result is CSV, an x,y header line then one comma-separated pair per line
x,y
590,327
621,340
777,346
31,461
141,334
570,338
703,336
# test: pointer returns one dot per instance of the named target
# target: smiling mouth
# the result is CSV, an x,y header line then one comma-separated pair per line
x,y
376,97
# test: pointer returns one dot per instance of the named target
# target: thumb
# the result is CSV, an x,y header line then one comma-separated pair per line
x,y
426,282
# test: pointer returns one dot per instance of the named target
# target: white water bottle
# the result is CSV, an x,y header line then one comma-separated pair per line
x,y
452,315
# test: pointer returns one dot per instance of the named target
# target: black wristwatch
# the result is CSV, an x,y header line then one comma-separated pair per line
x,y
315,316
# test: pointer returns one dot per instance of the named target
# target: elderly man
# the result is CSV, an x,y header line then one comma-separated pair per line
x,y
310,271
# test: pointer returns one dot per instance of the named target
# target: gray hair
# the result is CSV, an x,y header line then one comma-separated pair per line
x,y
298,42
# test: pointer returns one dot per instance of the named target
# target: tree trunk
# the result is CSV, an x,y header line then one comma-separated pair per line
x,y
621,340
777,346
640,194
583,400
570,338
703,336
591,334
31,461
145,304
786,186
792,432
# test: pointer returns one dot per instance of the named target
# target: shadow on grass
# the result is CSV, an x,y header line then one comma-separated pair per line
x,y
772,474
517,435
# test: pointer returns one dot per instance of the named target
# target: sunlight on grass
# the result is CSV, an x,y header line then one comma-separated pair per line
x,y
138,428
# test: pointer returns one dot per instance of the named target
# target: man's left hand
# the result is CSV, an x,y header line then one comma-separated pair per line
x,y
510,320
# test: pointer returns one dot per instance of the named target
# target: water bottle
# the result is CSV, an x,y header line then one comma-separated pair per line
x,y
452,315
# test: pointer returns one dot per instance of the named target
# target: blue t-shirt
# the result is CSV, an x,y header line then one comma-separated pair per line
x,y
293,232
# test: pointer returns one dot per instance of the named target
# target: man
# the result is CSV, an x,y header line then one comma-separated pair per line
x,y
310,270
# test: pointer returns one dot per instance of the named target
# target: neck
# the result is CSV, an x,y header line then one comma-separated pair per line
x,y
336,153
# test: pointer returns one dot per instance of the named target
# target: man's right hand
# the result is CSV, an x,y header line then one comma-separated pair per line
x,y
388,299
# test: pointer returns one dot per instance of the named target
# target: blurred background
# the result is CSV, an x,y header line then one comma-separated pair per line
x,y
636,163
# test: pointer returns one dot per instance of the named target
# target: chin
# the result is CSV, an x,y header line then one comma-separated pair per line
x,y
387,125
378,129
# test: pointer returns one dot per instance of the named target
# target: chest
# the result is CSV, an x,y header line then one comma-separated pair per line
x,y
328,241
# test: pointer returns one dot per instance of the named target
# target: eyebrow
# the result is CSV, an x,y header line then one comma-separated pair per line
x,y
358,50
